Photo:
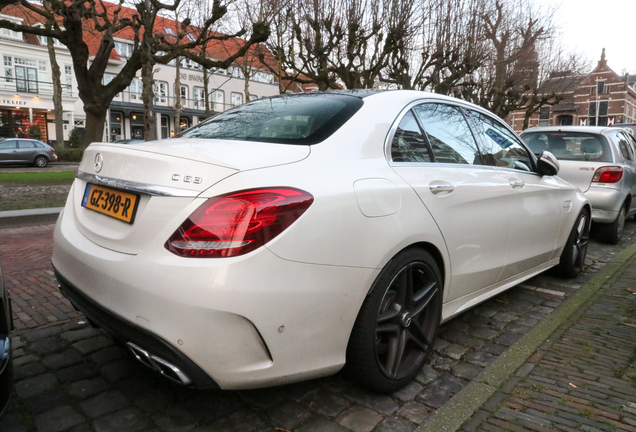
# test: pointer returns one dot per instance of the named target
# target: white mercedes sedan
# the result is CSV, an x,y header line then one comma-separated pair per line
x,y
293,236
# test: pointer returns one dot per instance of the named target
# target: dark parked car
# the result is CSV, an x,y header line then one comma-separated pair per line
x,y
26,151
6,365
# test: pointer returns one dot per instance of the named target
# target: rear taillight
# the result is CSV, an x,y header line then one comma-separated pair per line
x,y
237,223
608,174
53,150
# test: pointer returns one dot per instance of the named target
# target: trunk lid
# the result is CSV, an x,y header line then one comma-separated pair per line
x,y
579,173
167,176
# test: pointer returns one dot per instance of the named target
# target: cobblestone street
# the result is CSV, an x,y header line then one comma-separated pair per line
x,y
70,376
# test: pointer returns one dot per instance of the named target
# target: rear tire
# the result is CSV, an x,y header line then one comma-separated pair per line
x,y
575,249
611,233
395,330
41,162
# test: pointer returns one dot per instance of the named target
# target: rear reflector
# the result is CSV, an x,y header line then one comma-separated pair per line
x,y
608,174
237,223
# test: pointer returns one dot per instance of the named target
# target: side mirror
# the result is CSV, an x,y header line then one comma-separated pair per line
x,y
547,164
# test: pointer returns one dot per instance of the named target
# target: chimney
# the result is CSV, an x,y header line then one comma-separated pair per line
x,y
602,62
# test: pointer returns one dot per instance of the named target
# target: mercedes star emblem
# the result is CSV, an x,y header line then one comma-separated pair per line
x,y
99,162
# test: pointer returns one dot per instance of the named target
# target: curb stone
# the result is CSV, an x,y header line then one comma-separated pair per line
x,y
459,409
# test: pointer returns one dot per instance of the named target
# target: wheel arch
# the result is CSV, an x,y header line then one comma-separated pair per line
x,y
435,253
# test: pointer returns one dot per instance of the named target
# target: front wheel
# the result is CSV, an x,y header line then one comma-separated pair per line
x,y
611,233
393,335
41,161
575,250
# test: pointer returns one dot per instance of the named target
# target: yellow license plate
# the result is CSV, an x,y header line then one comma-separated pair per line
x,y
111,202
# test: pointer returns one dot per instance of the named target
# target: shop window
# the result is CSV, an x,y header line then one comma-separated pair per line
x,y
137,126
116,126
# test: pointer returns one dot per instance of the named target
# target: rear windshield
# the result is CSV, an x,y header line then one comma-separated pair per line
x,y
575,146
286,120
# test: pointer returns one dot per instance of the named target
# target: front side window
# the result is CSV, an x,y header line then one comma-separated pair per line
x,y
448,133
302,119
499,146
408,143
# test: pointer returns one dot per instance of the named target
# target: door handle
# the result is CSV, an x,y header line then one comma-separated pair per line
x,y
516,183
438,186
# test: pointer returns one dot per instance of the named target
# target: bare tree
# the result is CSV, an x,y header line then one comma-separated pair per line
x,y
56,76
69,27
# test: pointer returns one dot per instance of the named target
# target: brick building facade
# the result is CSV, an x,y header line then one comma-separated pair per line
x,y
600,98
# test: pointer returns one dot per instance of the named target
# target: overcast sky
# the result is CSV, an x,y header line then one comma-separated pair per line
x,y
589,26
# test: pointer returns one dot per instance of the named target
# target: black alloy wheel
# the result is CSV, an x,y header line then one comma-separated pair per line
x,y
575,249
611,233
394,334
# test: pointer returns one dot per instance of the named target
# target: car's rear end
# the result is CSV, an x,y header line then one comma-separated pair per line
x,y
162,245
586,157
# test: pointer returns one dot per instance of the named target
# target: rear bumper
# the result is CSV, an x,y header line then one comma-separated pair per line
x,y
250,321
128,332
605,203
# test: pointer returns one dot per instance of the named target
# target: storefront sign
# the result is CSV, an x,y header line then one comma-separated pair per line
x,y
192,77
16,102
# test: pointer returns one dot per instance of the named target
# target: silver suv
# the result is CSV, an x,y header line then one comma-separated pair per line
x,y
601,162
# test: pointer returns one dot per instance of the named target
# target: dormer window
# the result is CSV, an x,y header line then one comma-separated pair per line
x,y
169,31
124,50
10,34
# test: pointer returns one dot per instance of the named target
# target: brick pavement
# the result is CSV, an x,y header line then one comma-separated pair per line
x,y
582,379
72,377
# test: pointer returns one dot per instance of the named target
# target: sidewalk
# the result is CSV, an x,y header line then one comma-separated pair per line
x,y
579,377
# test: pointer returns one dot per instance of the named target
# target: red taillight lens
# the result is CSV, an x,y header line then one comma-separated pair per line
x,y
608,174
237,223
53,150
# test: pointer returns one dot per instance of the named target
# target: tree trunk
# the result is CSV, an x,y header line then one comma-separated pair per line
x,y
206,91
95,118
177,99
58,109
147,96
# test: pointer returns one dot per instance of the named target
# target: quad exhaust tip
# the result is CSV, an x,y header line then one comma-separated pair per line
x,y
158,364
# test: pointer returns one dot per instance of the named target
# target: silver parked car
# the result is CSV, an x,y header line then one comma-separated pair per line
x,y
26,151
601,162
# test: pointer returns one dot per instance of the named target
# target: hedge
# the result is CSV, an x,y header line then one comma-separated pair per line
x,y
69,154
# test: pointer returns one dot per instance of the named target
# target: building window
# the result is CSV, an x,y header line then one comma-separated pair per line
x,y
184,96
161,92
11,34
253,97
124,50
263,77
602,113
115,126
237,72
544,116
135,88
236,99
68,78
218,100
199,98
56,43
165,126
8,68
137,126
600,86
169,31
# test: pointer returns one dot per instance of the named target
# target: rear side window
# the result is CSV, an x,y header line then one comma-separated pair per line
x,y
624,145
576,146
286,120
7,145
448,134
408,143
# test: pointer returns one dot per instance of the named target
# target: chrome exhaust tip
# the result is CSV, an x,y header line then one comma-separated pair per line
x,y
158,364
